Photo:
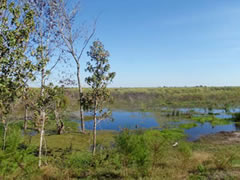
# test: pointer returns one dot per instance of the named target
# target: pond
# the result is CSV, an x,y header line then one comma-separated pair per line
x,y
156,120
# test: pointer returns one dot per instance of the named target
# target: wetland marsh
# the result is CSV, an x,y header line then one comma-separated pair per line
x,y
206,139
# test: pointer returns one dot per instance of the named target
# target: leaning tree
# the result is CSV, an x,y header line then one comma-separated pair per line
x,y
75,39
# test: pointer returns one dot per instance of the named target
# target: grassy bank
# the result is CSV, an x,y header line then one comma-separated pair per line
x,y
155,98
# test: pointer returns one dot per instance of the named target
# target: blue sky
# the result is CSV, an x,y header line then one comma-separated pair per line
x,y
157,43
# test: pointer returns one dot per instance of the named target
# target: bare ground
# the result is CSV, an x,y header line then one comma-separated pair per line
x,y
222,138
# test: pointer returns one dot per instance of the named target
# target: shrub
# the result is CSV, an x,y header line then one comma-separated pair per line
x,y
18,159
80,163
145,149
133,152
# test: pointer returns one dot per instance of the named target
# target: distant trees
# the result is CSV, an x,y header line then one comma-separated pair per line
x,y
16,27
99,79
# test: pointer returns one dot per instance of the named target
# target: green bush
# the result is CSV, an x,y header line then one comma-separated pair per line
x,y
80,163
18,159
144,149
133,151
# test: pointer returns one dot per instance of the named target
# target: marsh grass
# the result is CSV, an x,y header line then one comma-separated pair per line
x,y
212,119
188,125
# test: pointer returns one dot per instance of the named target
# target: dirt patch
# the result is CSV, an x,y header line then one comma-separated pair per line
x,y
200,157
223,138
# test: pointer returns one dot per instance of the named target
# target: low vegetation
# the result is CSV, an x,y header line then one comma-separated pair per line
x,y
148,154
153,99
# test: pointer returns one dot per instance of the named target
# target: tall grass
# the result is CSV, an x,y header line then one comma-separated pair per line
x,y
155,98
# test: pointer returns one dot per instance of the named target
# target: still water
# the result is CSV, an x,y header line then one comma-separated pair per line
x,y
151,120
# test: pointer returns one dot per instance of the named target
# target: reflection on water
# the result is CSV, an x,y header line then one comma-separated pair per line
x,y
206,128
144,120
121,119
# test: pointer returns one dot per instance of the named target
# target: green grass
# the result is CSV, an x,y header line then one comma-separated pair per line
x,y
77,141
211,119
188,125
149,153
152,99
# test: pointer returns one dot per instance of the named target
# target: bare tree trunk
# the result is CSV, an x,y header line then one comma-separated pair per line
x,y
59,123
95,129
65,26
26,118
41,138
61,127
80,92
25,98
45,146
42,119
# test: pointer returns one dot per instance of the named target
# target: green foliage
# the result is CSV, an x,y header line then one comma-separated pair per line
x,y
100,77
131,155
133,148
211,119
146,149
203,119
100,67
15,31
18,158
188,125
54,98
80,162
236,117
133,151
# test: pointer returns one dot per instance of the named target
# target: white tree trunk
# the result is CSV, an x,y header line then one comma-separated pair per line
x,y
80,92
95,129
43,116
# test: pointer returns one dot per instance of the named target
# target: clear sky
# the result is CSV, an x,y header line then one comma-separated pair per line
x,y
169,42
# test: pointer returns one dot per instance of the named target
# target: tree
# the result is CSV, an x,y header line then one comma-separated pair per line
x,y
44,46
71,38
100,77
16,27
